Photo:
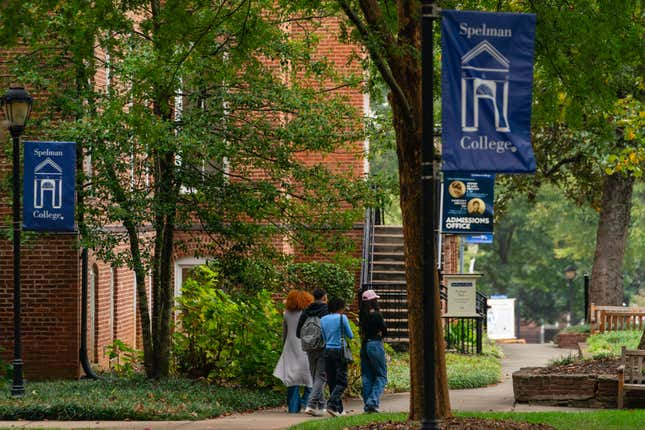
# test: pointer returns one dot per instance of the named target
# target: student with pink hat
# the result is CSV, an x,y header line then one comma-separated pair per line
x,y
373,364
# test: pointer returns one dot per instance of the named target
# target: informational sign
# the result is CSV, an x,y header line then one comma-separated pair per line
x,y
501,319
467,203
49,186
478,238
486,81
462,294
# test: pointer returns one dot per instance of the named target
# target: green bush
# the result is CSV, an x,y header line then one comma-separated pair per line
x,y
581,328
608,344
459,333
336,280
124,360
227,338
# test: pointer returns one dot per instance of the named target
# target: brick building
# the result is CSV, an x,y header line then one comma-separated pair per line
x,y
51,269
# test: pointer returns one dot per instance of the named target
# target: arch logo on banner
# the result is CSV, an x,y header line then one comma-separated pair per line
x,y
49,190
486,86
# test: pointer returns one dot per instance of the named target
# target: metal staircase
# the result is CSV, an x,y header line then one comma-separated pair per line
x,y
383,270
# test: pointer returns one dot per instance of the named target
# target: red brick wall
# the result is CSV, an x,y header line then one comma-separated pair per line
x,y
50,292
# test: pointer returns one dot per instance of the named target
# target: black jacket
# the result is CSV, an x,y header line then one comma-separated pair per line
x,y
316,309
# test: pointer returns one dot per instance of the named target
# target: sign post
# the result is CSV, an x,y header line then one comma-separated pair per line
x,y
462,295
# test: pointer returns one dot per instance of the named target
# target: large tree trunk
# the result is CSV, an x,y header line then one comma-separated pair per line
x,y
409,136
611,238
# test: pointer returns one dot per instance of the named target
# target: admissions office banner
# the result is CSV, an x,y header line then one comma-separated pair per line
x,y
486,89
467,205
49,186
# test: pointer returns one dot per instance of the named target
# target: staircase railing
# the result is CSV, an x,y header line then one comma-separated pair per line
x,y
368,245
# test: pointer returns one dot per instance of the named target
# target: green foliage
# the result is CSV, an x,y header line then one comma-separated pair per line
x,y
131,398
458,333
579,328
124,360
608,344
564,360
227,338
336,280
354,383
464,371
591,420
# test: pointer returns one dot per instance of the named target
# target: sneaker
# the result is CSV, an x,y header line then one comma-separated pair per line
x,y
319,412
310,411
333,412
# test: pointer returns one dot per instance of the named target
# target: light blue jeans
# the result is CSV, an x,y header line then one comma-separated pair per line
x,y
374,373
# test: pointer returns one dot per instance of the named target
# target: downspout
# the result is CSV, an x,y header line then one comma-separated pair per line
x,y
85,362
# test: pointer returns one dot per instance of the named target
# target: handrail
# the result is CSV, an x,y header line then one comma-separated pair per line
x,y
367,247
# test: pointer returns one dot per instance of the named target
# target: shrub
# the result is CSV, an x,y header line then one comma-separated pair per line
x,y
336,280
459,333
124,360
582,328
608,344
227,338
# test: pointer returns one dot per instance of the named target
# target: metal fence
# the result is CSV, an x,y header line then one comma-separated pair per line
x,y
463,335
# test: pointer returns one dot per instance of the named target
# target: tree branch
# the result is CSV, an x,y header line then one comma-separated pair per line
x,y
380,61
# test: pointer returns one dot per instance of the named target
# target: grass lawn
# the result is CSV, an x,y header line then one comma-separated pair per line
x,y
133,398
592,420
464,371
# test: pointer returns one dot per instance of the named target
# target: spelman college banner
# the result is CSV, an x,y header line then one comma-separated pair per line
x,y
487,77
49,187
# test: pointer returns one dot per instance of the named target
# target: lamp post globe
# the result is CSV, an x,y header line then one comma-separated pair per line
x,y
16,104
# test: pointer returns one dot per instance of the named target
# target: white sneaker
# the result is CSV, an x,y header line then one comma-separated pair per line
x,y
333,412
310,411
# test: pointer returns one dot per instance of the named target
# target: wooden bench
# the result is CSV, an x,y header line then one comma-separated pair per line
x,y
631,372
613,318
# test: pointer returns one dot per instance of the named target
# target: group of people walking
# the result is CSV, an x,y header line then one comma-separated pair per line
x,y
315,334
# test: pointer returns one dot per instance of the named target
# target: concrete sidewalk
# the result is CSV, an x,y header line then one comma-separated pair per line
x,y
495,398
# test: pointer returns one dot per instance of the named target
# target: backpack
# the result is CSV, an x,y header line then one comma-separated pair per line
x,y
311,337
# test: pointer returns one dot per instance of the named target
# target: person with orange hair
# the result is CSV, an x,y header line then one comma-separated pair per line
x,y
293,366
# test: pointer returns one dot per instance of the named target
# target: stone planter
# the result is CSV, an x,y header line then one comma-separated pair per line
x,y
570,340
581,391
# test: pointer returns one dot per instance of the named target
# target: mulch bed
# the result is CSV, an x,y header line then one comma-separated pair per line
x,y
458,424
604,366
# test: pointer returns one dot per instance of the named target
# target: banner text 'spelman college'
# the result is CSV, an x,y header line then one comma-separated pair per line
x,y
487,78
49,187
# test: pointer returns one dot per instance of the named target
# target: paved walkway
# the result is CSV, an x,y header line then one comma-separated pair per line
x,y
495,398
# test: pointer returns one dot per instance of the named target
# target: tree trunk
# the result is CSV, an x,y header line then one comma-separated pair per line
x,y
611,238
409,136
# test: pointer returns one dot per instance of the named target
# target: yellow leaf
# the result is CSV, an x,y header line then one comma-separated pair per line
x,y
631,135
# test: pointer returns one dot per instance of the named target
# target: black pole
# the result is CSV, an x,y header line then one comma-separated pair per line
x,y
570,300
82,353
428,184
586,278
18,387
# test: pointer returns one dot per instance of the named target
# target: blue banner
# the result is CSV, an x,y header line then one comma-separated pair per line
x,y
486,88
467,205
478,238
49,187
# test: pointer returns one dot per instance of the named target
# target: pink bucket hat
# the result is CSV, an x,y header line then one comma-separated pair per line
x,y
370,295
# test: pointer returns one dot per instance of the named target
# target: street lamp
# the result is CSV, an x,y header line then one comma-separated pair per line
x,y
17,107
570,274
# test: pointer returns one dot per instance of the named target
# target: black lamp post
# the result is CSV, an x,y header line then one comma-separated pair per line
x,y
429,185
17,107
570,274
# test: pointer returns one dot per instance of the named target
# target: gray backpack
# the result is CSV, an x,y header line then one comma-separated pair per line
x,y
311,337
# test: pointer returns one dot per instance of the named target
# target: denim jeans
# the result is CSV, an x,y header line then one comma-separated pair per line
x,y
295,402
336,369
317,369
373,372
